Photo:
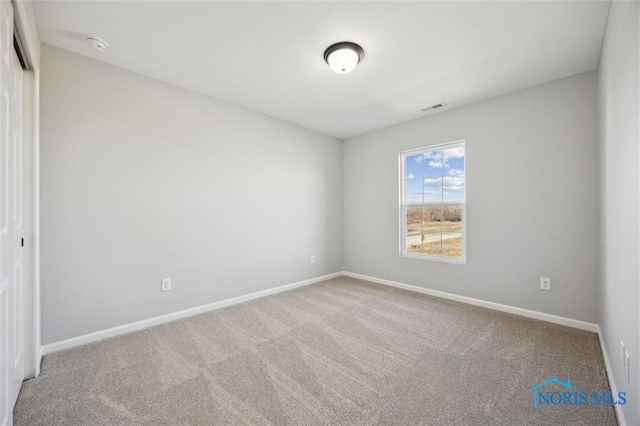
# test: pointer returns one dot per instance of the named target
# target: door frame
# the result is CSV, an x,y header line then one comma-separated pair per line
x,y
27,30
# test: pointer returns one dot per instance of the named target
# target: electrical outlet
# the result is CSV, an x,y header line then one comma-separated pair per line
x,y
545,284
312,259
165,284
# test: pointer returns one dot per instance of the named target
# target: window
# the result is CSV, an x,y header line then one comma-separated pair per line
x,y
432,193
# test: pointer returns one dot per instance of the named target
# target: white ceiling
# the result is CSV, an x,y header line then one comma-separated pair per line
x,y
267,56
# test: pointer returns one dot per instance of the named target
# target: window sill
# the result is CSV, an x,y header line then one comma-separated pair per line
x,y
442,259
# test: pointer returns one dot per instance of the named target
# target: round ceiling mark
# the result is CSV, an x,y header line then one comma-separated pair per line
x,y
97,43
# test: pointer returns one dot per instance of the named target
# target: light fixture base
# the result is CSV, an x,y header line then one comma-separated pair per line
x,y
344,45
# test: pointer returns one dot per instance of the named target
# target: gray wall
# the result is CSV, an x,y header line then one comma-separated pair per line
x,y
620,136
141,180
532,199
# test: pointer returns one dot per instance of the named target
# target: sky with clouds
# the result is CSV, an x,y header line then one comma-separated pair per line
x,y
435,176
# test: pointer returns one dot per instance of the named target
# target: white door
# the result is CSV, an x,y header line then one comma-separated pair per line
x,y
11,219
16,292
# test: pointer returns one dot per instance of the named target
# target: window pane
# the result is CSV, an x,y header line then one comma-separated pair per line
x,y
452,231
433,164
414,230
413,191
453,188
433,190
453,160
432,230
413,165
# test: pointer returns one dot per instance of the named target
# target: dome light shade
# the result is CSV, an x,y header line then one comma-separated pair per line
x,y
343,57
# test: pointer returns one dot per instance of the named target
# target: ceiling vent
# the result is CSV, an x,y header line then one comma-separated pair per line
x,y
432,107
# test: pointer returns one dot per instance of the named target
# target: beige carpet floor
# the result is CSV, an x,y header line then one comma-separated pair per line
x,y
342,351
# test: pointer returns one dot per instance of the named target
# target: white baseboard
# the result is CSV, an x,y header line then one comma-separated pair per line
x,y
612,383
128,328
483,303
139,325
39,353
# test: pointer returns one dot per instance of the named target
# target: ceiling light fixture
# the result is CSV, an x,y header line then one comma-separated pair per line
x,y
343,57
97,43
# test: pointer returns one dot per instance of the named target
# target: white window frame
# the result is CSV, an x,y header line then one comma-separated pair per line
x,y
403,206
